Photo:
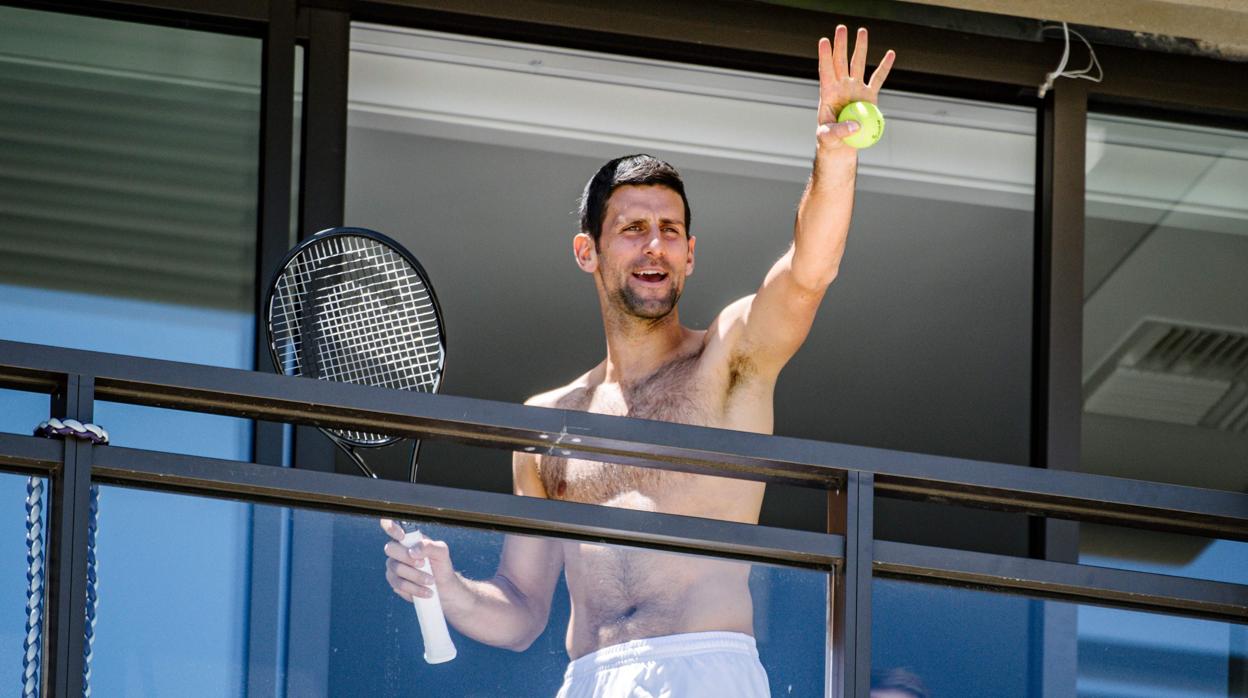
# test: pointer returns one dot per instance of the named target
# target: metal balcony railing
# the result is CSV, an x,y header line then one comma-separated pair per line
x,y
852,475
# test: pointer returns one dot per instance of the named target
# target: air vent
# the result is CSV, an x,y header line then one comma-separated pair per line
x,y
1196,376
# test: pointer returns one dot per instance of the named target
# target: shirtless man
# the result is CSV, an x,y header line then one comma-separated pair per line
x,y
632,608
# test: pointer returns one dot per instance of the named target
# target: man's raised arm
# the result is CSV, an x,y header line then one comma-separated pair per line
x,y
508,610
769,326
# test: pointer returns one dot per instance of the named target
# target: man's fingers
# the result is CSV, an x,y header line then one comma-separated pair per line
x,y
392,529
826,76
840,63
397,551
881,71
433,549
836,131
396,585
406,572
858,62
405,589
403,564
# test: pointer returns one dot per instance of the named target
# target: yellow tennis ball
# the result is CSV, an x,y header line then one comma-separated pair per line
x,y
870,122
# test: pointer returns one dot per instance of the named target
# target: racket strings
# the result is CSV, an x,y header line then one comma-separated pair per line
x,y
361,325
363,338
375,320
359,332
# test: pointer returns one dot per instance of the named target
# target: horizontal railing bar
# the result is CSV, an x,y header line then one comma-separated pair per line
x,y
1067,582
1103,499
30,455
272,397
526,515
1049,492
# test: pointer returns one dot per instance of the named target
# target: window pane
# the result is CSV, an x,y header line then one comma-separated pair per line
x,y
130,187
963,642
345,632
473,153
1165,327
129,196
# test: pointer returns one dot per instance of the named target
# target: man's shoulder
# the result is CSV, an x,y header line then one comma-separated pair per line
x,y
550,398
559,397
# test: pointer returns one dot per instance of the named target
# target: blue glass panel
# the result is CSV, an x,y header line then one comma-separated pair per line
x,y
789,622
172,615
965,642
338,628
21,411
1164,553
13,576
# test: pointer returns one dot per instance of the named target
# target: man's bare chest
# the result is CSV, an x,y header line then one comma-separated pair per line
x,y
676,393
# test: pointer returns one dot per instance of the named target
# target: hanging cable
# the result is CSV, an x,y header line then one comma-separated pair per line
x,y
93,595
34,588
32,644
1061,72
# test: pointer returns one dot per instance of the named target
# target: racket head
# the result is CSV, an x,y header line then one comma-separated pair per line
x,y
366,305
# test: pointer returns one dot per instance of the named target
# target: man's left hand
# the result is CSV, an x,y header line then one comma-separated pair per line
x,y
843,80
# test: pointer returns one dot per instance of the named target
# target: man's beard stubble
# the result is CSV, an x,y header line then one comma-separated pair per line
x,y
652,309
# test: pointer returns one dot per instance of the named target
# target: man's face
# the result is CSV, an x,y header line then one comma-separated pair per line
x,y
645,251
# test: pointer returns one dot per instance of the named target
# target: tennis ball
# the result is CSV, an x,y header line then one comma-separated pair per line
x,y
870,121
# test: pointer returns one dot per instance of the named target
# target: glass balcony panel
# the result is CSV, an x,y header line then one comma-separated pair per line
x,y
173,595
967,642
17,534
175,431
324,621
1164,553
21,410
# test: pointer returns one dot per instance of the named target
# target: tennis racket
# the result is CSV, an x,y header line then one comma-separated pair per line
x,y
351,305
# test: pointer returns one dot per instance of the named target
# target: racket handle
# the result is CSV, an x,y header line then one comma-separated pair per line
x,y
439,647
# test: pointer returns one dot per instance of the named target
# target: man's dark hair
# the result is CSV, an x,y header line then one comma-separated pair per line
x,y
898,680
640,169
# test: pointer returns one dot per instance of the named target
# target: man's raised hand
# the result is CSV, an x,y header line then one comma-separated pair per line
x,y
842,80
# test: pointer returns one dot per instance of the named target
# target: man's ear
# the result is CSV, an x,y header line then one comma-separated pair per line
x,y
586,253
689,260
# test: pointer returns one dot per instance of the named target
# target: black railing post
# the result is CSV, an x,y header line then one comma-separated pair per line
x,y
849,666
66,584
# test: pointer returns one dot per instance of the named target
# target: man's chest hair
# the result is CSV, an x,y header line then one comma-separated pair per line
x,y
673,393
676,392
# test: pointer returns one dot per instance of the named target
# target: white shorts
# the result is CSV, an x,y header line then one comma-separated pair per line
x,y
691,665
